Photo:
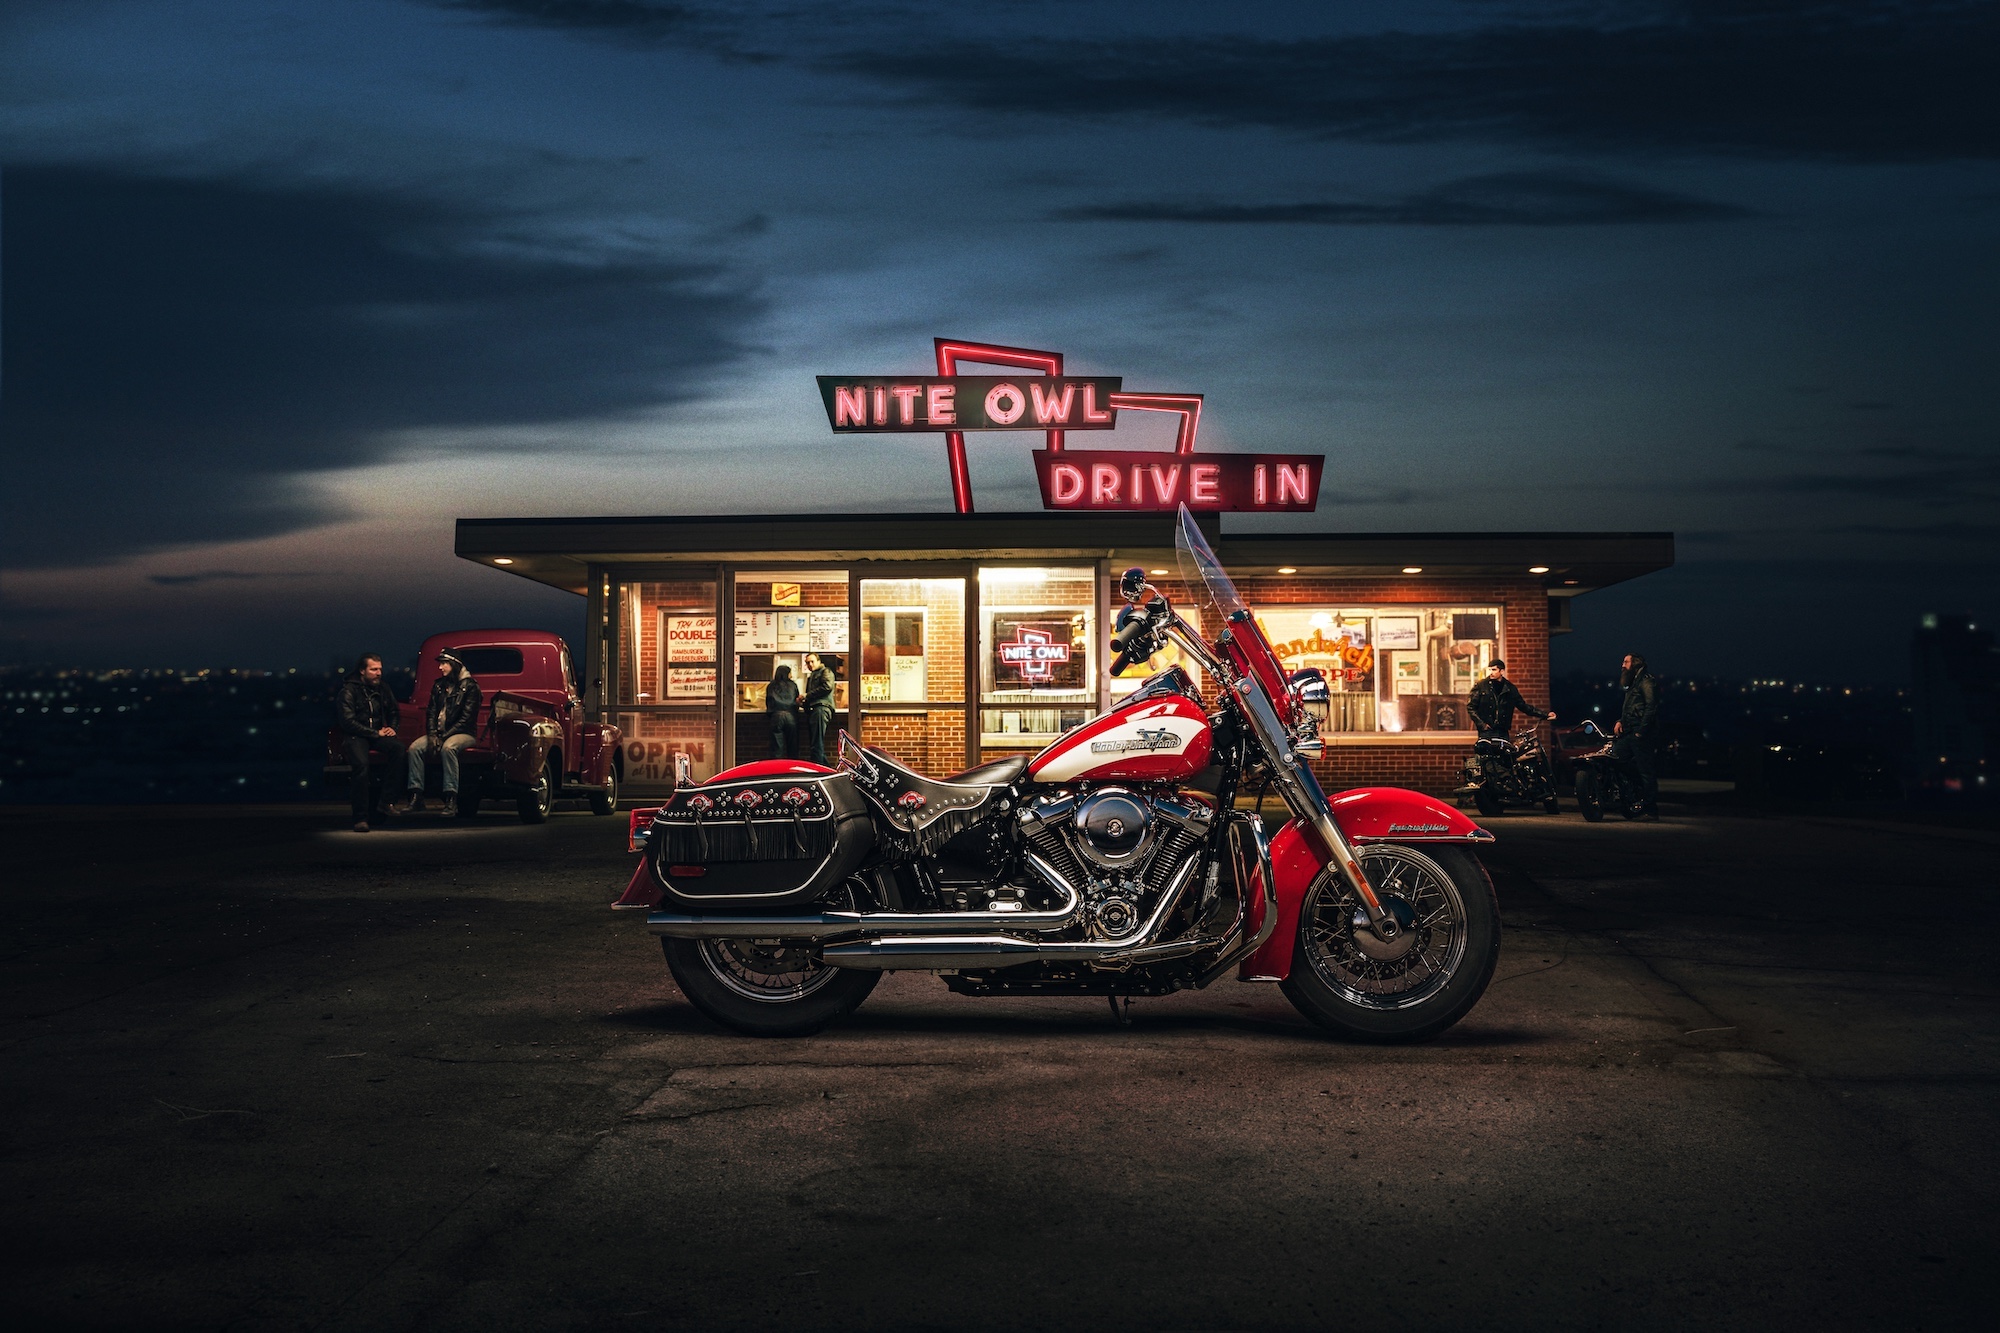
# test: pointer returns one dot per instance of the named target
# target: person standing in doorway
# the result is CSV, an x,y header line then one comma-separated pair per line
x,y
781,709
1635,736
451,720
367,714
818,703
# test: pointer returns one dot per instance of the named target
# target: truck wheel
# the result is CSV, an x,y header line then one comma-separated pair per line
x,y
606,802
536,802
1588,803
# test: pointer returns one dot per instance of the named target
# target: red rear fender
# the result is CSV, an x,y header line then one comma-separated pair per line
x,y
1365,815
774,768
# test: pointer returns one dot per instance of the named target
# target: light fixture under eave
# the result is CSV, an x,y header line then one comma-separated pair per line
x,y
1288,569
1538,569
1413,569
502,560
1156,571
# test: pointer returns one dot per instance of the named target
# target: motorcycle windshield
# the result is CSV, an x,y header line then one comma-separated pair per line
x,y
1200,569
1203,574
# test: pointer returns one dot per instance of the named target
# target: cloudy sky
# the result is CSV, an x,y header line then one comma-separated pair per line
x,y
288,286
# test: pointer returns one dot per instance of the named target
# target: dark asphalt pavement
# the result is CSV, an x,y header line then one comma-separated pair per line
x,y
262,1074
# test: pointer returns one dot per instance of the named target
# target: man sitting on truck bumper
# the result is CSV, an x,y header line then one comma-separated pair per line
x,y
450,722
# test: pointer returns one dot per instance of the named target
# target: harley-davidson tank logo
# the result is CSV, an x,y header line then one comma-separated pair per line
x,y
1419,828
1148,739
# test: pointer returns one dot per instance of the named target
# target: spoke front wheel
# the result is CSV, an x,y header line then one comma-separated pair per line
x,y
1348,979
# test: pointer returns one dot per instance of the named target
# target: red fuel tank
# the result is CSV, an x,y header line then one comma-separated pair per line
x,y
1161,739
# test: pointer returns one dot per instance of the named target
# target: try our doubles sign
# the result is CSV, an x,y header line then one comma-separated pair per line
x,y
1055,403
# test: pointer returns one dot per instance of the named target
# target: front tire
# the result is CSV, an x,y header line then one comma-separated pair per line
x,y
1343,977
1488,802
765,988
536,802
606,802
1589,803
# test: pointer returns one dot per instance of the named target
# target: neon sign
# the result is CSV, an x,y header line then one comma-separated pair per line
x,y
1057,403
1033,653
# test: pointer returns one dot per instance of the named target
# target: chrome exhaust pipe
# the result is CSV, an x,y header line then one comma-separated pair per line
x,y
838,925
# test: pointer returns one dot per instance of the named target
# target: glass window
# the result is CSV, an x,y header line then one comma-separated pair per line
x,y
659,741
666,642
1390,668
491,661
912,671
1037,655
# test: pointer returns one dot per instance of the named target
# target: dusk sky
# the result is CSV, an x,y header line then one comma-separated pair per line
x,y
286,287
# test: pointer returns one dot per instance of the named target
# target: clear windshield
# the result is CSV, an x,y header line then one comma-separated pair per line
x,y
1203,573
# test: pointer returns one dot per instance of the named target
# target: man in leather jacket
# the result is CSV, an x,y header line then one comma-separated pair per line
x,y
1495,700
1635,738
451,721
367,715
816,708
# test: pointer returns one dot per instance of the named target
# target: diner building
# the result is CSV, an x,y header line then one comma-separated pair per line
x,y
965,637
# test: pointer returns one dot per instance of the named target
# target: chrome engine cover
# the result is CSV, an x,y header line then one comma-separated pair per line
x,y
1114,828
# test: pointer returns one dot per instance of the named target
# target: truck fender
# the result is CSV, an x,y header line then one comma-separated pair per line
x,y
521,747
1366,815
597,746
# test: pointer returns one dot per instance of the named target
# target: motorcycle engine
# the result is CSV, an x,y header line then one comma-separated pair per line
x,y
1119,847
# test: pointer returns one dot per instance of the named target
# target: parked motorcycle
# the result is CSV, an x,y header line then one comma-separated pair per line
x,y
1603,781
1519,770
783,890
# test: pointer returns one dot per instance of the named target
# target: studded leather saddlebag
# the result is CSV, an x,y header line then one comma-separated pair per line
x,y
776,842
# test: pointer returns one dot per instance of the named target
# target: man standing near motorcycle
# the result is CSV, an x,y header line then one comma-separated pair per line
x,y
1495,700
1634,736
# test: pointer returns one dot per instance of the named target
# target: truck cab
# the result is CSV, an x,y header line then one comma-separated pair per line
x,y
532,744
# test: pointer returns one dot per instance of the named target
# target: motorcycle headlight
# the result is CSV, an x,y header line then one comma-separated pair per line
x,y
1309,689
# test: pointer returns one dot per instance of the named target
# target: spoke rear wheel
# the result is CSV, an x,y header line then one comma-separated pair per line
x,y
765,988
1346,979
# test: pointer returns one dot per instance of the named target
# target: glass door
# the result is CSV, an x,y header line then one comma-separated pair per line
x,y
788,624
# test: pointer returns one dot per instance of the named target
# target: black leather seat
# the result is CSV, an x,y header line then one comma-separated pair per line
x,y
993,773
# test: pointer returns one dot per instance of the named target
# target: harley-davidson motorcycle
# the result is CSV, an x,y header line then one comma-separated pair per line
x,y
1604,781
1500,770
1113,863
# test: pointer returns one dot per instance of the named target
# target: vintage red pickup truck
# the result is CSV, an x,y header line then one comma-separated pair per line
x,y
533,745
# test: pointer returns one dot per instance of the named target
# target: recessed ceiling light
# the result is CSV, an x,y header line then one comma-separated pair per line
x,y
1569,583
1156,571
1288,569
1413,569
1538,569
502,560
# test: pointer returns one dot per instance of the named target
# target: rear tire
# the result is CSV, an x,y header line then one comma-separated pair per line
x,y
1488,803
536,802
765,990
1455,930
1588,802
606,802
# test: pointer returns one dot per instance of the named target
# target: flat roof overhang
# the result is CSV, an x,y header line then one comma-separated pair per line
x,y
559,551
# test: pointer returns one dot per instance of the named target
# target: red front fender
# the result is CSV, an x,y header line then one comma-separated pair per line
x,y
1365,815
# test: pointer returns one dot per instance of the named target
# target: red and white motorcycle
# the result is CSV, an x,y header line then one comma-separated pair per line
x,y
1113,863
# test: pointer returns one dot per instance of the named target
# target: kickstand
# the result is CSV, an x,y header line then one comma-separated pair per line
x,y
1121,1009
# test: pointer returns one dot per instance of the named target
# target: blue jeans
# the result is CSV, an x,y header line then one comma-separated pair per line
x,y
448,756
